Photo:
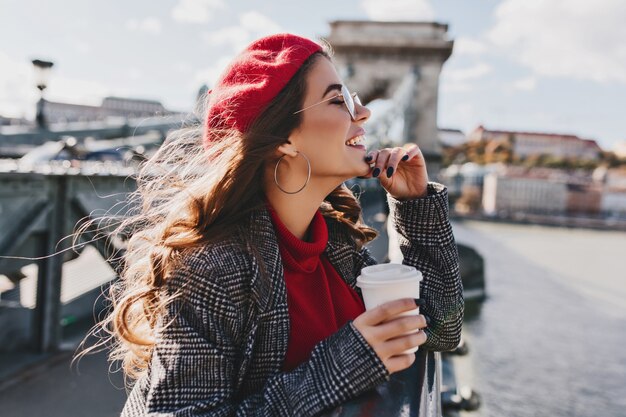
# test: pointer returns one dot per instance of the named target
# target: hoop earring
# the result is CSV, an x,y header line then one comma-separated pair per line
x,y
308,175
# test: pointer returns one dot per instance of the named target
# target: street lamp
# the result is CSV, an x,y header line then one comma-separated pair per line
x,y
42,72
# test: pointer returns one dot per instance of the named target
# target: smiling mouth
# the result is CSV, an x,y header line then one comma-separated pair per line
x,y
356,141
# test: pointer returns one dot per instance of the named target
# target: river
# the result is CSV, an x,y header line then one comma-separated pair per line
x,y
550,340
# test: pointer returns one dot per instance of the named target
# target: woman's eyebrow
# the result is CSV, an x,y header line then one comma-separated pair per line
x,y
332,87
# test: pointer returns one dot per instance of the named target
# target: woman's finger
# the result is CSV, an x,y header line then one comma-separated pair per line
x,y
411,150
386,311
393,161
381,162
401,344
370,158
399,326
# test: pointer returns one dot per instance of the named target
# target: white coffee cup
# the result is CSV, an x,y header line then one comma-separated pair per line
x,y
387,282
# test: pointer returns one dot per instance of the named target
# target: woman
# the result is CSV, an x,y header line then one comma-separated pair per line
x,y
238,296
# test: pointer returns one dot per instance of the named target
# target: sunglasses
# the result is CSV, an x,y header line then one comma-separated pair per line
x,y
348,99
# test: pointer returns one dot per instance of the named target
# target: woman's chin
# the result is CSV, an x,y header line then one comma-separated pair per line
x,y
361,169
364,170
359,174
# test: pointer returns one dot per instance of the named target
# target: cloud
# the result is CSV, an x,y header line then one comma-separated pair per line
x,y
252,25
468,73
79,45
463,115
196,11
462,79
464,45
150,25
209,75
79,91
235,36
578,39
525,84
456,87
135,73
258,23
403,10
182,67
17,87
18,94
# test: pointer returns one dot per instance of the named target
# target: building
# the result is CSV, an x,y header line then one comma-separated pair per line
x,y
510,192
133,107
620,149
12,121
613,202
584,199
56,112
616,178
465,184
524,144
111,107
451,137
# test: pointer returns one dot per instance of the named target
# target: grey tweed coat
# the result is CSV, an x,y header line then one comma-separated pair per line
x,y
223,351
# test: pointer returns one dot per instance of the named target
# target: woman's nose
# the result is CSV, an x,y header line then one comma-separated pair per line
x,y
362,112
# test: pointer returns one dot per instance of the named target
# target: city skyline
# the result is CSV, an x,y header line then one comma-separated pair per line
x,y
516,65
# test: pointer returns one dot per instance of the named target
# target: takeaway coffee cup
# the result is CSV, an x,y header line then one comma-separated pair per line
x,y
387,282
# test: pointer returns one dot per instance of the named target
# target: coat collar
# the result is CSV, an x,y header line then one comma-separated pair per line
x,y
268,288
339,249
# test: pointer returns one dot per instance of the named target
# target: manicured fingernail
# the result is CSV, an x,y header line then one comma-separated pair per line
x,y
427,320
419,301
368,158
376,172
405,157
389,172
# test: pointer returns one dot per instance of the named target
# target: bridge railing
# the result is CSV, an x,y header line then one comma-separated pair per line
x,y
38,212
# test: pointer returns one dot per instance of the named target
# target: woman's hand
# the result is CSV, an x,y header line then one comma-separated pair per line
x,y
401,171
386,332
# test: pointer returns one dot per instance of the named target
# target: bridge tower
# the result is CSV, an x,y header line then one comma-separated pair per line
x,y
373,59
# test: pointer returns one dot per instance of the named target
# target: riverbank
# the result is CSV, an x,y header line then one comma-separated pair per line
x,y
547,220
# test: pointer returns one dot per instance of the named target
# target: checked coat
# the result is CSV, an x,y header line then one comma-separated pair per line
x,y
223,350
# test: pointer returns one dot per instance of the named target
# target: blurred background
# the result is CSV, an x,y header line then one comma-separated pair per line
x,y
518,106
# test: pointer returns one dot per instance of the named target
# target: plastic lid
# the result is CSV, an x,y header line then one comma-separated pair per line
x,y
386,273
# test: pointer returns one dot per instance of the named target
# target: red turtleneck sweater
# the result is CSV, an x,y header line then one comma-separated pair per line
x,y
319,300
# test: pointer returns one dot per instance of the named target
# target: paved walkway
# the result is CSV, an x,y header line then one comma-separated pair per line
x,y
53,389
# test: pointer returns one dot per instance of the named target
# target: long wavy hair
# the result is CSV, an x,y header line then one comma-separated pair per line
x,y
189,196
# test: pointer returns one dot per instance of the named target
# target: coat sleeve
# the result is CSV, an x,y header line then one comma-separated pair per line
x,y
195,364
427,243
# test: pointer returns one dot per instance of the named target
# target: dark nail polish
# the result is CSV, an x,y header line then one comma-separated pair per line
x,y
376,172
368,158
405,157
419,301
389,172
427,320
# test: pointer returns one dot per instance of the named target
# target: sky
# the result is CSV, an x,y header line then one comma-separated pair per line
x,y
534,65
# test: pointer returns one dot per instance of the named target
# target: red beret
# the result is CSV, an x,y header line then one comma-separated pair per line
x,y
253,79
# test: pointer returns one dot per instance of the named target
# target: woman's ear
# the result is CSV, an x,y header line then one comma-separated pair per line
x,y
287,148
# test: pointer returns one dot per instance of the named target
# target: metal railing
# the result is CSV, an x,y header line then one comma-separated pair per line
x,y
38,212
